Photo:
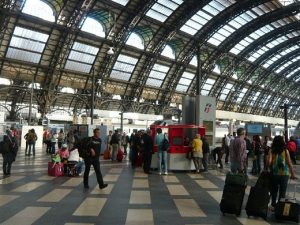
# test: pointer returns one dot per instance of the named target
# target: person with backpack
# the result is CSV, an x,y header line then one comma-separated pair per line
x,y
7,154
162,153
25,137
31,139
94,149
281,167
292,148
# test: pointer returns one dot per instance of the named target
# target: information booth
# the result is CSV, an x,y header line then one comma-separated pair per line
x,y
178,150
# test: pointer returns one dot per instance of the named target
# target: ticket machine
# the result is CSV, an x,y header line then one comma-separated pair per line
x,y
178,150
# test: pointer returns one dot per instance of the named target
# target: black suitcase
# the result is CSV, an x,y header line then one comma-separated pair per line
x,y
258,200
232,199
287,210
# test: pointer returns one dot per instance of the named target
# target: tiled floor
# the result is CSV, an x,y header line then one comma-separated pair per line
x,y
30,196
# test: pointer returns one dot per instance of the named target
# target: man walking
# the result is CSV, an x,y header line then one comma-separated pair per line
x,y
93,159
238,153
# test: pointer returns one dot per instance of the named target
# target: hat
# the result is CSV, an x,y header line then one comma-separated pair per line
x,y
64,146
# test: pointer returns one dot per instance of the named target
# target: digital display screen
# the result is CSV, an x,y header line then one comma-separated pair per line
x,y
254,128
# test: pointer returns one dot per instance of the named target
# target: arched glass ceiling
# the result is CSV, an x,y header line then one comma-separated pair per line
x,y
287,64
81,57
185,82
255,55
123,67
135,40
276,57
93,26
265,101
293,72
193,25
162,9
168,52
255,97
39,9
26,45
4,81
225,91
157,75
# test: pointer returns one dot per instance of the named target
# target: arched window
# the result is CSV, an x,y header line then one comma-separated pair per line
x,y
135,40
39,9
4,81
92,26
168,52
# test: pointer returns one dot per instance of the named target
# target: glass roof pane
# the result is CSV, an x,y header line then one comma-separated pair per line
x,y
242,94
181,88
23,55
210,81
188,75
93,26
68,90
162,9
27,44
157,75
123,67
39,9
81,57
213,8
121,2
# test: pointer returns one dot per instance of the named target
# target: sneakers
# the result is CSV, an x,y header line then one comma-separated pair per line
x,y
103,186
159,173
166,173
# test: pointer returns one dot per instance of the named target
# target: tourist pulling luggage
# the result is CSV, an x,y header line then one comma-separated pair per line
x,y
259,197
233,193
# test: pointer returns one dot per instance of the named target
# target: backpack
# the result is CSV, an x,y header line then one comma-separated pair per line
x,y
83,146
31,137
165,145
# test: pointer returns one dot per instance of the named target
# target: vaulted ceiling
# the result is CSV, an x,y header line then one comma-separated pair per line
x,y
58,51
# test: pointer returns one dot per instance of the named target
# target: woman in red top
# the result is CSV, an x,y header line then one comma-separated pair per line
x,y
292,147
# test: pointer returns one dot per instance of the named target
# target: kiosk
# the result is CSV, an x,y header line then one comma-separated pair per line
x,y
177,153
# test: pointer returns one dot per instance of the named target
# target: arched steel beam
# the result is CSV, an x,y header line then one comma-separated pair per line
x,y
250,27
265,39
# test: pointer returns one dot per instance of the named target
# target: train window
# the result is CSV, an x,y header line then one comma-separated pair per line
x,y
177,141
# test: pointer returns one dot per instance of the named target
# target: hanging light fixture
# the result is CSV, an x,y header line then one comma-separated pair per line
x,y
111,51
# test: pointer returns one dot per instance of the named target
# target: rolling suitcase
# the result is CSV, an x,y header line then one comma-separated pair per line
x,y
232,199
258,200
288,209
236,179
120,155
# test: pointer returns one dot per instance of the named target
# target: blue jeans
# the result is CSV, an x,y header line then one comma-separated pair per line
x,y
278,182
162,158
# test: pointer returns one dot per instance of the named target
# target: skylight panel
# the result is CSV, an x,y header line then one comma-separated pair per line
x,y
241,95
123,67
93,26
121,2
39,9
81,57
157,75
225,91
255,97
264,101
293,72
227,30
26,45
213,8
185,82
68,90
168,52
162,9
207,86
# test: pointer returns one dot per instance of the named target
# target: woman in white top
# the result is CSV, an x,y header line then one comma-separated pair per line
x,y
75,159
